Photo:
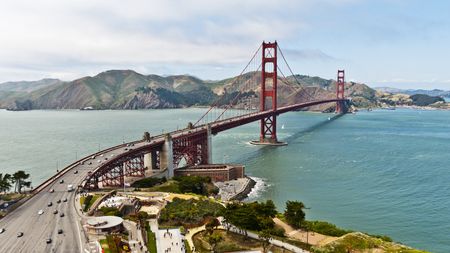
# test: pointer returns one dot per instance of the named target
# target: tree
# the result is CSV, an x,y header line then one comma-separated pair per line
x,y
211,225
265,236
5,182
214,240
294,213
19,178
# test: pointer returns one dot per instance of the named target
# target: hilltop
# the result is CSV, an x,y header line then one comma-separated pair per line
x,y
127,89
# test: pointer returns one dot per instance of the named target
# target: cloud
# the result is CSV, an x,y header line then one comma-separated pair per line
x,y
307,54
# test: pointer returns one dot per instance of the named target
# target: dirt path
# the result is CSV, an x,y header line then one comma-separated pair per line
x,y
310,237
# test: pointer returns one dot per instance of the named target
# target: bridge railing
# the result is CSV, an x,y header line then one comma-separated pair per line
x,y
70,166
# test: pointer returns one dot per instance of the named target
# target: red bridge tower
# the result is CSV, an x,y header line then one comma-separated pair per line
x,y
268,96
340,107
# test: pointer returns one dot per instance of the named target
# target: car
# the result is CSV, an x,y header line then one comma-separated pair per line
x,y
61,214
106,158
20,234
76,172
112,155
2,230
65,200
55,212
40,212
52,190
58,201
49,204
62,181
102,155
126,149
90,163
48,241
99,161
93,157
60,231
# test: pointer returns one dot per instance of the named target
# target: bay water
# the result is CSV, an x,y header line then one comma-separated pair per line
x,y
381,172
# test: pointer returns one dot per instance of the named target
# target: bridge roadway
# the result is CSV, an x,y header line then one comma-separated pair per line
x,y
38,228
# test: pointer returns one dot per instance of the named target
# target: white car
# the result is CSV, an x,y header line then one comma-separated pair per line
x,y
2,230
41,212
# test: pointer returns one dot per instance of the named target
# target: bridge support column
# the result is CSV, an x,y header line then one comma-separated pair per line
x,y
150,160
341,107
268,96
209,144
166,156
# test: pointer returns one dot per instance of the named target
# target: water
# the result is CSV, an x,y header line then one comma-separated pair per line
x,y
382,172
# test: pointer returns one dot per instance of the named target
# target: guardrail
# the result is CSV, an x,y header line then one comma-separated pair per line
x,y
70,166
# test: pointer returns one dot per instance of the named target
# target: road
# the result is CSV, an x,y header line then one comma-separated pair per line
x,y
38,228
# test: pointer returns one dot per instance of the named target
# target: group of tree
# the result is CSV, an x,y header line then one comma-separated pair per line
x,y
251,216
196,184
19,180
189,212
258,216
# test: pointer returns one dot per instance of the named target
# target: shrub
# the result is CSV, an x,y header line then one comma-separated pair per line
x,y
189,212
148,182
86,202
325,228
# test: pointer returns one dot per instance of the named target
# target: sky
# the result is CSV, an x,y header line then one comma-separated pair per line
x,y
395,43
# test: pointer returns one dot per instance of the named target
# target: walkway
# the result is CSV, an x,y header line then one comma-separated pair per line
x,y
312,238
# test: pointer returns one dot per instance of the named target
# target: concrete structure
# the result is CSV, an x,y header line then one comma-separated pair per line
x,y
217,172
104,225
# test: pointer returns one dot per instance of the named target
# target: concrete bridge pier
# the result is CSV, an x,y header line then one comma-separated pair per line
x,y
166,156
150,160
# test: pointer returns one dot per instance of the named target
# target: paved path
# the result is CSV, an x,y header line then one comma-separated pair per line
x,y
135,237
191,233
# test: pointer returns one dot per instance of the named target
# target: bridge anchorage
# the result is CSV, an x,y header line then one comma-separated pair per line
x,y
254,96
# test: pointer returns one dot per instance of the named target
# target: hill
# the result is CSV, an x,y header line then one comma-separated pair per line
x,y
127,89
434,92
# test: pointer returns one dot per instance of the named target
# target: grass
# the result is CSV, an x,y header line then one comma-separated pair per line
x,y
105,247
11,196
359,242
186,245
151,240
169,186
92,201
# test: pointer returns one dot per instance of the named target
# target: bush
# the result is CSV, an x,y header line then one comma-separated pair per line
x,y
424,100
110,211
148,182
325,228
193,184
181,212
253,216
86,202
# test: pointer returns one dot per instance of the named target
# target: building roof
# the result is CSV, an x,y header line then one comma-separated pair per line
x,y
101,222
